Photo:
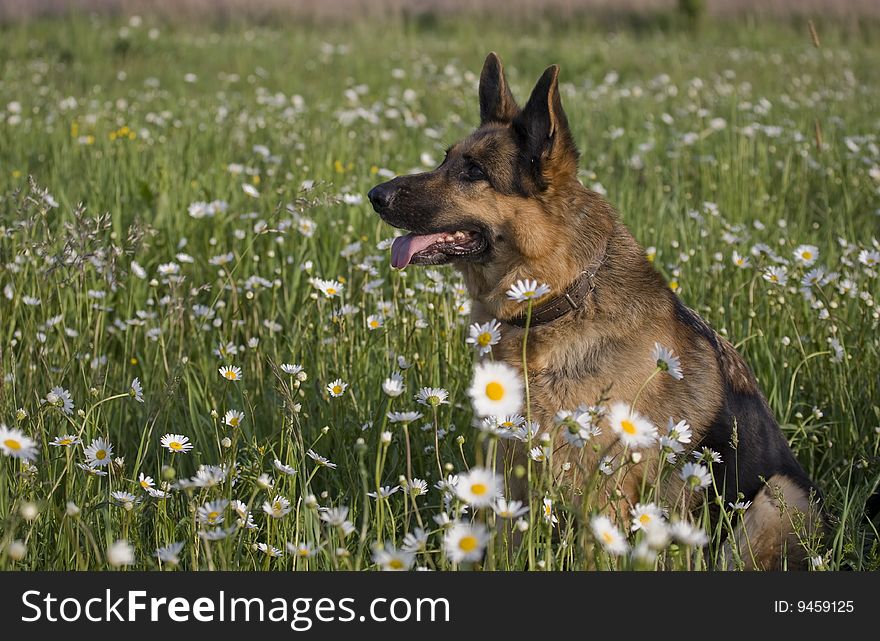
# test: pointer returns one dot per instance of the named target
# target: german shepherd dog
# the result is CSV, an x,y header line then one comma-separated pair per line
x,y
506,204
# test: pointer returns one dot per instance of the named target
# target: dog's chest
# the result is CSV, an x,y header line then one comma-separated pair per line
x,y
566,372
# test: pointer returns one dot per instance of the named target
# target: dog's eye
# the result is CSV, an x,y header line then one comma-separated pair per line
x,y
473,173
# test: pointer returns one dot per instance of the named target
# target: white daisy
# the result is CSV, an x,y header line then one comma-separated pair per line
x,y
303,550
645,516
384,492
169,553
696,476
14,443
869,258
120,553
136,390
391,559
496,389
415,540
233,418
547,511
320,460
509,509
269,550
292,369
277,507
67,440
478,487
776,275
60,398
687,534
484,336
337,388
404,417
576,426
806,255
374,321
633,429
330,288
123,499
740,506
608,535
417,487
335,516
539,454
146,482
284,469
231,373
523,290
680,432
707,455
465,542
393,385
432,396
211,513
176,443
99,453
667,361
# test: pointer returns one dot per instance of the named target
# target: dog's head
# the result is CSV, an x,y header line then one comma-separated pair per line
x,y
496,195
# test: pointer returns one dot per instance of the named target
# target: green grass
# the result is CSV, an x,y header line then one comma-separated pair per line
x,y
139,144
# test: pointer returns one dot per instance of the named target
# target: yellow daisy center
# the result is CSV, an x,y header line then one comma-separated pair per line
x,y
302,552
276,506
374,323
395,564
101,455
645,519
468,543
628,426
337,389
807,255
331,291
608,538
233,421
175,445
479,489
231,375
145,485
484,339
495,391
65,441
212,516
529,293
12,444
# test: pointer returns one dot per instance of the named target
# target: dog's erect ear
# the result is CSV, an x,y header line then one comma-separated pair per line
x,y
496,102
543,127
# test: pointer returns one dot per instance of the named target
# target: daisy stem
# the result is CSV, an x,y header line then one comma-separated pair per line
x,y
99,403
656,371
437,442
408,453
525,363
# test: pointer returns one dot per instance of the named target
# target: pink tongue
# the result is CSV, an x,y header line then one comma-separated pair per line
x,y
405,247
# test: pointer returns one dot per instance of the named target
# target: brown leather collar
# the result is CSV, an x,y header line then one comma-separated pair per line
x,y
572,299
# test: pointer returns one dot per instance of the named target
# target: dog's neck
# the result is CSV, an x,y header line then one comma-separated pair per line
x,y
579,240
558,304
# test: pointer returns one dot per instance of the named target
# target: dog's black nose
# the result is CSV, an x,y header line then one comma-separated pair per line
x,y
380,196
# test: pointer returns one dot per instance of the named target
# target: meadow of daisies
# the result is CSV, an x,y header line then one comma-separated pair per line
x,y
207,361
